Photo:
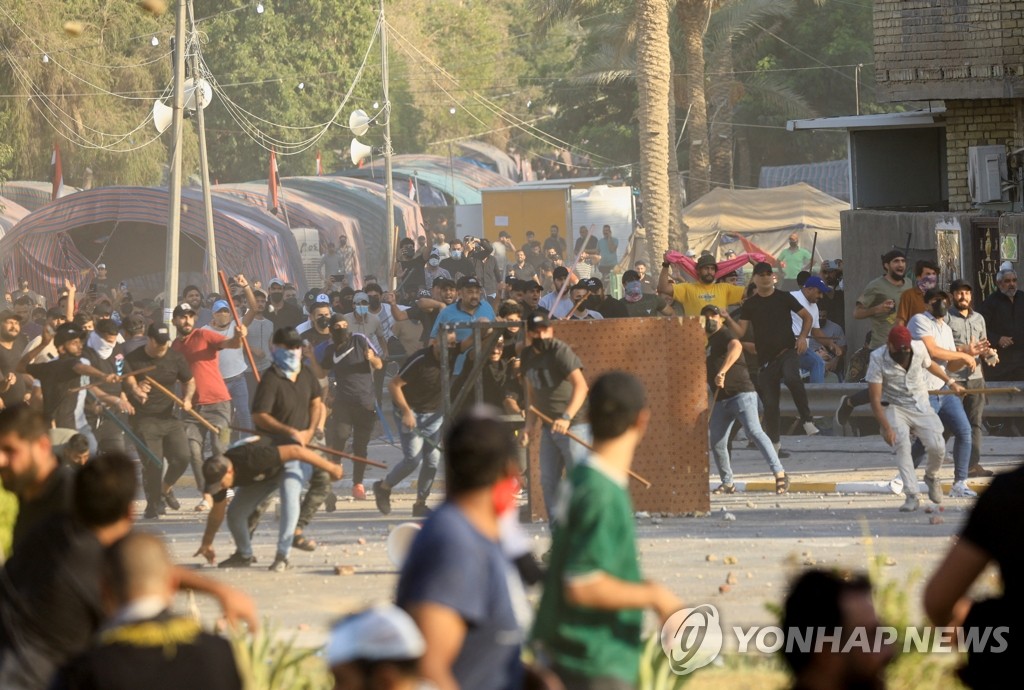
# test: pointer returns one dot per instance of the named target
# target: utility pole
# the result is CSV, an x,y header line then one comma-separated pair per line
x,y
174,183
390,231
856,85
204,164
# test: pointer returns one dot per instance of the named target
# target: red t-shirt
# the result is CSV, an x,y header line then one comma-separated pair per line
x,y
203,356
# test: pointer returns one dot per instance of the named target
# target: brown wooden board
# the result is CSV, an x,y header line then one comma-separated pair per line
x,y
667,354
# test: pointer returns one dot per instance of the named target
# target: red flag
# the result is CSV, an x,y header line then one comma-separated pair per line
x,y
272,182
752,248
319,164
56,172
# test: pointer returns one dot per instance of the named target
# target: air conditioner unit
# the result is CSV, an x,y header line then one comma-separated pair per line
x,y
987,174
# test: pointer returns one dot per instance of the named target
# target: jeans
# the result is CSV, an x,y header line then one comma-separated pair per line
x,y
558,454
218,414
974,406
248,498
166,438
928,429
813,364
352,420
741,408
951,411
239,390
784,368
416,448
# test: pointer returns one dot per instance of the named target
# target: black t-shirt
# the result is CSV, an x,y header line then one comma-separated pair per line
x,y
457,267
53,500
547,373
422,376
610,308
426,317
9,359
997,508
114,364
252,462
647,305
170,369
412,273
773,322
352,372
737,379
285,400
56,378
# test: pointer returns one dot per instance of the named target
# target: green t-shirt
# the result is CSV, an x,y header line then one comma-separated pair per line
x,y
876,292
795,260
594,531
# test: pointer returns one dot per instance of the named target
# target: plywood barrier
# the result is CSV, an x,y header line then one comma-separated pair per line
x,y
667,354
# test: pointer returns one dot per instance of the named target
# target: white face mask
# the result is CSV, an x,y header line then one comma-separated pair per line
x,y
434,262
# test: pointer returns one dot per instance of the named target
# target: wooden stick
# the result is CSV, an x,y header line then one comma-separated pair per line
x,y
143,370
814,246
322,449
978,391
568,317
238,323
198,417
577,439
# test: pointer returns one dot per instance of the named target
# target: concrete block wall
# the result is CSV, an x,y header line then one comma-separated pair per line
x,y
983,122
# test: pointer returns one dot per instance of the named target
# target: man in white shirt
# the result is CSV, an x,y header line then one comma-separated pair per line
x,y
547,302
808,297
232,365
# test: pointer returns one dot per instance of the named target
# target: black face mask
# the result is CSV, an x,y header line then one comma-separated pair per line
x,y
292,302
346,306
939,309
322,322
375,303
544,344
340,336
710,326
901,358
276,297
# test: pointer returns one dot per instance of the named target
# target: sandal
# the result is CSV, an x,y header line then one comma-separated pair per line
x,y
300,542
201,506
725,489
782,484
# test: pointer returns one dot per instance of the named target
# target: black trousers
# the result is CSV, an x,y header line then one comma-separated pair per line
x,y
785,368
166,438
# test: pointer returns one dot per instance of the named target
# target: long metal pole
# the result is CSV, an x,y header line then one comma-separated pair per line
x,y
390,231
204,163
174,183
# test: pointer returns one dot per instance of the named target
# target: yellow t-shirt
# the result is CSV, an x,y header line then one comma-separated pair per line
x,y
695,296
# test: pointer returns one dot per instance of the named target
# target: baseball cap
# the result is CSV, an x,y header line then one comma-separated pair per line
x,y
710,309
360,298
101,265
182,309
56,313
593,283
706,260
468,281
287,337
536,321
830,265
220,305
443,282
893,254
214,470
66,332
384,632
816,282
323,299
960,284
762,268
527,285
560,272
424,292
159,332
690,253
899,337
275,281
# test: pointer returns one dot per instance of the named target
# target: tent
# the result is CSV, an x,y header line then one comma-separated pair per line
x,y
10,214
32,195
433,180
126,228
489,157
831,177
765,218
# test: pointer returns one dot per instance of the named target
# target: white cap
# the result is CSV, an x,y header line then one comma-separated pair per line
x,y
384,632
1006,266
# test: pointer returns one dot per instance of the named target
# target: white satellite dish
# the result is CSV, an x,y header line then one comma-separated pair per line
x,y
163,114
359,151
359,122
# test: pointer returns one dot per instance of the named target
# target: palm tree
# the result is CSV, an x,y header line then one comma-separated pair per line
x,y
693,17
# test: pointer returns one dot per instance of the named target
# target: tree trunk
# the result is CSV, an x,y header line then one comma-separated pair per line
x,y
653,74
720,129
693,17
676,192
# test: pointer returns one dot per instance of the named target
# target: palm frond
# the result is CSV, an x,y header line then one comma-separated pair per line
x,y
741,17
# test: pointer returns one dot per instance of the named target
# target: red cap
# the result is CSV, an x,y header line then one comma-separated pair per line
x,y
899,337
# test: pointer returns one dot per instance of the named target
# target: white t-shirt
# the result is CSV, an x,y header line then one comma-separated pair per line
x,y
231,360
925,324
812,309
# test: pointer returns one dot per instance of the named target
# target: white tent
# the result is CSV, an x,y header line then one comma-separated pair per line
x,y
765,217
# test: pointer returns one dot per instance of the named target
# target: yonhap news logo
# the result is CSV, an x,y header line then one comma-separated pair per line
x,y
692,638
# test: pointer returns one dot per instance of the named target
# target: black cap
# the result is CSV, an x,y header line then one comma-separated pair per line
x,y
560,272
468,281
527,285
893,254
9,314
443,282
214,470
593,284
537,320
762,267
287,337
706,260
66,332
182,309
960,284
159,332
710,309
424,292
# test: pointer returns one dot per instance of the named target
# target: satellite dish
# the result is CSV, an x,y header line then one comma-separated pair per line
x,y
359,122
162,115
359,151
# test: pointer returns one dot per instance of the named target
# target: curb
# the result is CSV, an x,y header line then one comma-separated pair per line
x,y
881,487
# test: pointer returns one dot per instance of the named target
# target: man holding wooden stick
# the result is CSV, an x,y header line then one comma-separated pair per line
x,y
154,422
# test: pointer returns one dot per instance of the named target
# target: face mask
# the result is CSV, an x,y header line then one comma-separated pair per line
x,y
101,346
362,309
323,322
939,309
434,262
901,358
340,336
292,302
503,495
456,253
276,297
634,291
375,303
288,361
544,344
927,283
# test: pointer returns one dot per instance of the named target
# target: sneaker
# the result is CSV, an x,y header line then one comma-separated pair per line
x,y
382,497
330,502
359,492
237,560
961,490
844,411
420,510
171,500
782,454
910,505
153,511
279,565
896,485
810,429
979,471
934,488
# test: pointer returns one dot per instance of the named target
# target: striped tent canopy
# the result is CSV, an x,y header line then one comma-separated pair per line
x,y
10,214
31,194
125,227
433,180
831,177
